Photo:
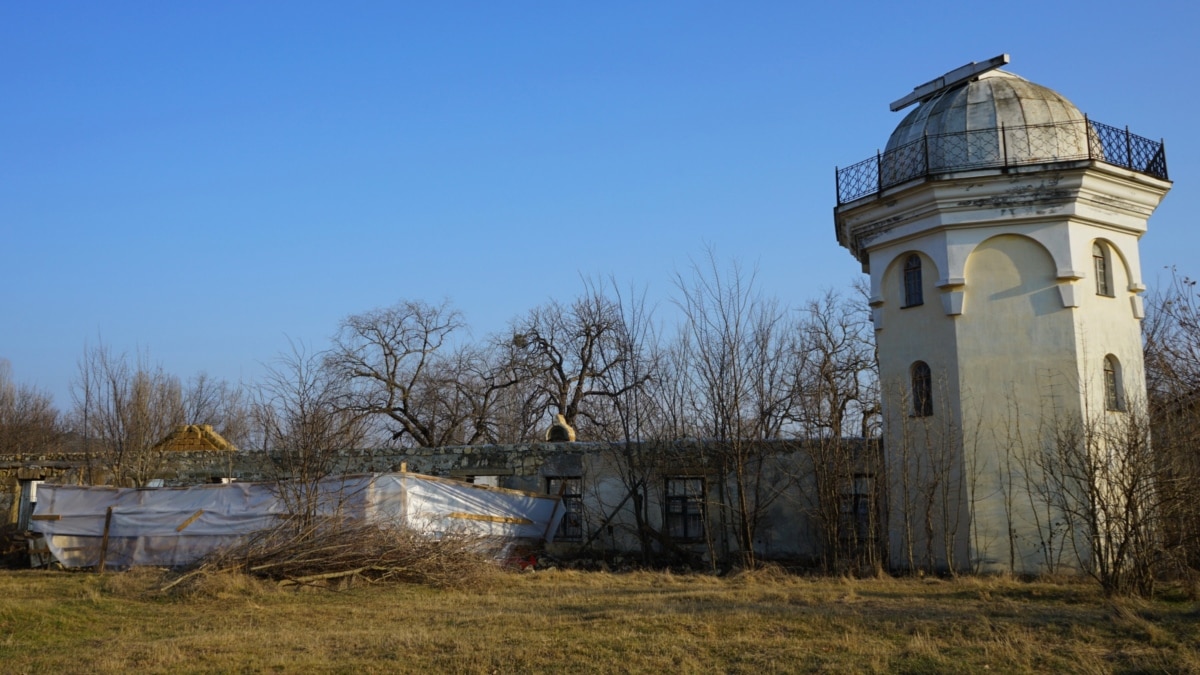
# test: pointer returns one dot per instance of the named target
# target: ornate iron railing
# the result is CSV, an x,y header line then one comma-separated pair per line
x,y
1001,148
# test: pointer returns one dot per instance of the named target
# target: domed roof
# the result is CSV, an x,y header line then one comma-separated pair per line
x,y
995,119
994,99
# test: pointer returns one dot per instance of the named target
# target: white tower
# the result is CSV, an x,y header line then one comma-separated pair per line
x,y
1000,229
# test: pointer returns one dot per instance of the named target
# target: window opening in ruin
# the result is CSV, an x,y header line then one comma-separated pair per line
x,y
685,508
571,489
855,512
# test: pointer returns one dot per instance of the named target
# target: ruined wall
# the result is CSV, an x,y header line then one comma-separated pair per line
x,y
182,468
597,472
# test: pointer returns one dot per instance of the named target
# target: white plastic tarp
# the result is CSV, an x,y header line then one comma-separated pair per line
x,y
176,526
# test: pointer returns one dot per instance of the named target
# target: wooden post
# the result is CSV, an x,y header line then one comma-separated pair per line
x,y
405,481
104,540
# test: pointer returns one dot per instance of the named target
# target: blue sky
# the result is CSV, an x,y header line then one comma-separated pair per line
x,y
207,181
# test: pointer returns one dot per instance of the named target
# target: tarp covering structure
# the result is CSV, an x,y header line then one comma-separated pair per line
x,y
176,526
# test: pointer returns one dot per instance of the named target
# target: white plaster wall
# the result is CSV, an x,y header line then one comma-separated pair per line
x,y
1110,325
919,449
1017,344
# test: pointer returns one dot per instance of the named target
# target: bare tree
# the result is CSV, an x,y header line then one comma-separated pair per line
x,y
29,422
304,428
476,382
1171,338
735,345
399,364
1038,461
635,413
836,411
1103,478
927,484
571,352
124,406
515,410
219,404
1171,334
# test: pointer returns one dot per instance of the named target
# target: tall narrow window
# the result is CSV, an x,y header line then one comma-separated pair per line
x,y
571,490
685,509
1113,396
913,294
1101,269
922,389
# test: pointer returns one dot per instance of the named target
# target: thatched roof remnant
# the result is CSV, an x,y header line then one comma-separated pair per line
x,y
194,438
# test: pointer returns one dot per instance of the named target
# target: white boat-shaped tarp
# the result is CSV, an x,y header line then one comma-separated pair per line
x,y
171,527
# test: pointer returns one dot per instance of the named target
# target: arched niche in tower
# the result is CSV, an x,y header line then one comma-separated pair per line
x,y
1014,332
1011,271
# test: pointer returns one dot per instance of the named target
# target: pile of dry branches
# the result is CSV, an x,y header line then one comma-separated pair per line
x,y
329,554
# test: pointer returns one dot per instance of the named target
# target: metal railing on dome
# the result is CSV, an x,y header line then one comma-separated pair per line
x,y
1001,148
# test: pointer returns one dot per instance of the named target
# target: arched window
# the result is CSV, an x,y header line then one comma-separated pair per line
x,y
1102,269
1114,397
922,389
913,294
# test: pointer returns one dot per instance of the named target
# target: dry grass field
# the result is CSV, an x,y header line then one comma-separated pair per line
x,y
559,621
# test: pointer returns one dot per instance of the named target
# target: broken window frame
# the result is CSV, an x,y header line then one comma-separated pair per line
x,y
571,527
855,512
683,508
